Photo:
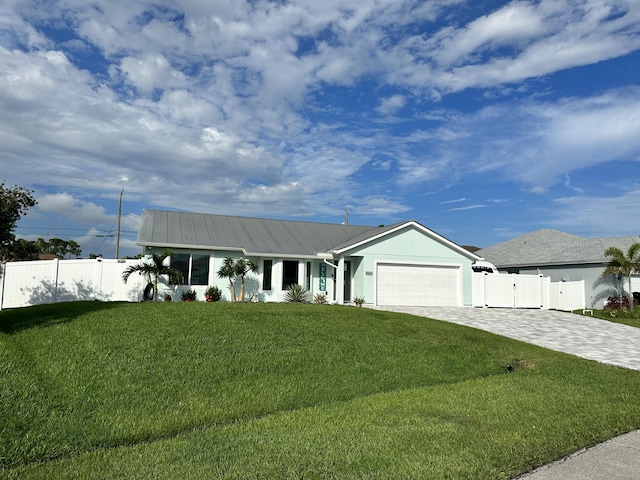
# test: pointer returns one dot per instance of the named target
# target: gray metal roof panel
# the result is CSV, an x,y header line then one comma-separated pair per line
x,y
257,235
552,247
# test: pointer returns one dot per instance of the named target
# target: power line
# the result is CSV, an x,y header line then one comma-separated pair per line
x,y
73,229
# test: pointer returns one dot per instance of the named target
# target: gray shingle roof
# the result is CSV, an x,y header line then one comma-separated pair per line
x,y
255,235
552,247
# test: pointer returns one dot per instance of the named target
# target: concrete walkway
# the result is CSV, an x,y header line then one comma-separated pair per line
x,y
606,342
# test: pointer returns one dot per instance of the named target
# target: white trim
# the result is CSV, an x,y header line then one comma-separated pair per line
x,y
182,246
280,255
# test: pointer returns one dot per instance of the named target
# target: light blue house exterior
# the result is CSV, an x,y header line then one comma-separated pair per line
x,y
401,264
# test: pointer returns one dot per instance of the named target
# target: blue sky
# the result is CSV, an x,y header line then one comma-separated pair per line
x,y
482,120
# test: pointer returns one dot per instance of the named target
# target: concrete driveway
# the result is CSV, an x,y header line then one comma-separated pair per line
x,y
586,337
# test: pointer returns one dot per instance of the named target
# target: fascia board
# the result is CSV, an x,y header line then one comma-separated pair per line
x,y
238,249
284,255
187,247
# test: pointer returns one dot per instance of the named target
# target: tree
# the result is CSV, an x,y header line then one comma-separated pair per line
x,y
59,247
228,270
242,268
154,269
22,250
14,203
623,265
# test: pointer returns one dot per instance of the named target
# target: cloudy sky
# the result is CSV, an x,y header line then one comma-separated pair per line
x,y
480,119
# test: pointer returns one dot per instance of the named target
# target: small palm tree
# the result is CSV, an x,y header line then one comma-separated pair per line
x,y
242,268
296,293
228,270
625,265
154,269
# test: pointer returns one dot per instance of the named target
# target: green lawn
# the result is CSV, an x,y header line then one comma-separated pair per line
x,y
198,390
624,316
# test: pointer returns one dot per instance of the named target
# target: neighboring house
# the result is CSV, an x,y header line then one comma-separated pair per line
x,y
563,257
401,264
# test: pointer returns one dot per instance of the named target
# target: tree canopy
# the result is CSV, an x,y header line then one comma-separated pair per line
x,y
14,203
59,247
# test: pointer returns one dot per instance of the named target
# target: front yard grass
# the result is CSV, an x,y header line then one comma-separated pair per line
x,y
624,316
201,390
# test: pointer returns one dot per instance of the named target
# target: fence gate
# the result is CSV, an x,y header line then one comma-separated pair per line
x,y
504,290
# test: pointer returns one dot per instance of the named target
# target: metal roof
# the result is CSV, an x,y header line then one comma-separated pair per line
x,y
253,235
553,247
259,236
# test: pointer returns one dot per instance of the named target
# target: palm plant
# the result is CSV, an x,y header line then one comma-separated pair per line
x,y
228,270
296,293
242,268
625,265
154,269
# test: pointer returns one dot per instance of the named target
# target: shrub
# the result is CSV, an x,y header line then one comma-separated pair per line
x,y
212,294
188,296
615,303
320,298
296,294
358,301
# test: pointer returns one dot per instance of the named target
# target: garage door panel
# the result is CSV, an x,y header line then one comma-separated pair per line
x,y
415,285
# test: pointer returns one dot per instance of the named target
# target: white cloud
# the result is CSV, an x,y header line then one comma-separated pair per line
x,y
66,205
457,200
264,106
594,215
468,207
391,104
151,71
537,143
513,23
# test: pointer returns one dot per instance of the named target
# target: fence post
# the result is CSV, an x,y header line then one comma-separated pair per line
x,y
56,264
3,274
97,280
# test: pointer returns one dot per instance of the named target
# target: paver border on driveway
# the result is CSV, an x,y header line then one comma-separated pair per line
x,y
586,337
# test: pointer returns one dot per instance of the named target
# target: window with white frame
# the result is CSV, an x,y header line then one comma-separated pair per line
x,y
194,268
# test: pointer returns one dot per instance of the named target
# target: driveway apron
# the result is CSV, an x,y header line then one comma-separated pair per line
x,y
584,336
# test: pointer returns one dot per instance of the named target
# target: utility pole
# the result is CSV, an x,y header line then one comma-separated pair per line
x,y
118,234
346,216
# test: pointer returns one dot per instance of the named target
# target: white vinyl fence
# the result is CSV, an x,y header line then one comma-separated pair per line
x,y
526,291
51,281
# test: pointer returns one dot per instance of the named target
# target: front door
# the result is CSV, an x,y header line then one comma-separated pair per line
x,y
347,281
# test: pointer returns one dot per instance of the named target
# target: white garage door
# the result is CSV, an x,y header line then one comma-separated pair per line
x,y
413,285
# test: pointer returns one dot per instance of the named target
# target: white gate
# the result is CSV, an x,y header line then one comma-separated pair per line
x,y
503,290
567,295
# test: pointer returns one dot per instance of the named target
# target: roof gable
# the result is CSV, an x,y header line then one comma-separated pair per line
x,y
553,247
385,231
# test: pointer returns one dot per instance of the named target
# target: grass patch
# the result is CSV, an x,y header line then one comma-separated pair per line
x,y
623,315
197,390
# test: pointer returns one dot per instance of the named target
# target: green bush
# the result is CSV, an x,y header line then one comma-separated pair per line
x,y
320,298
189,296
212,294
296,294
